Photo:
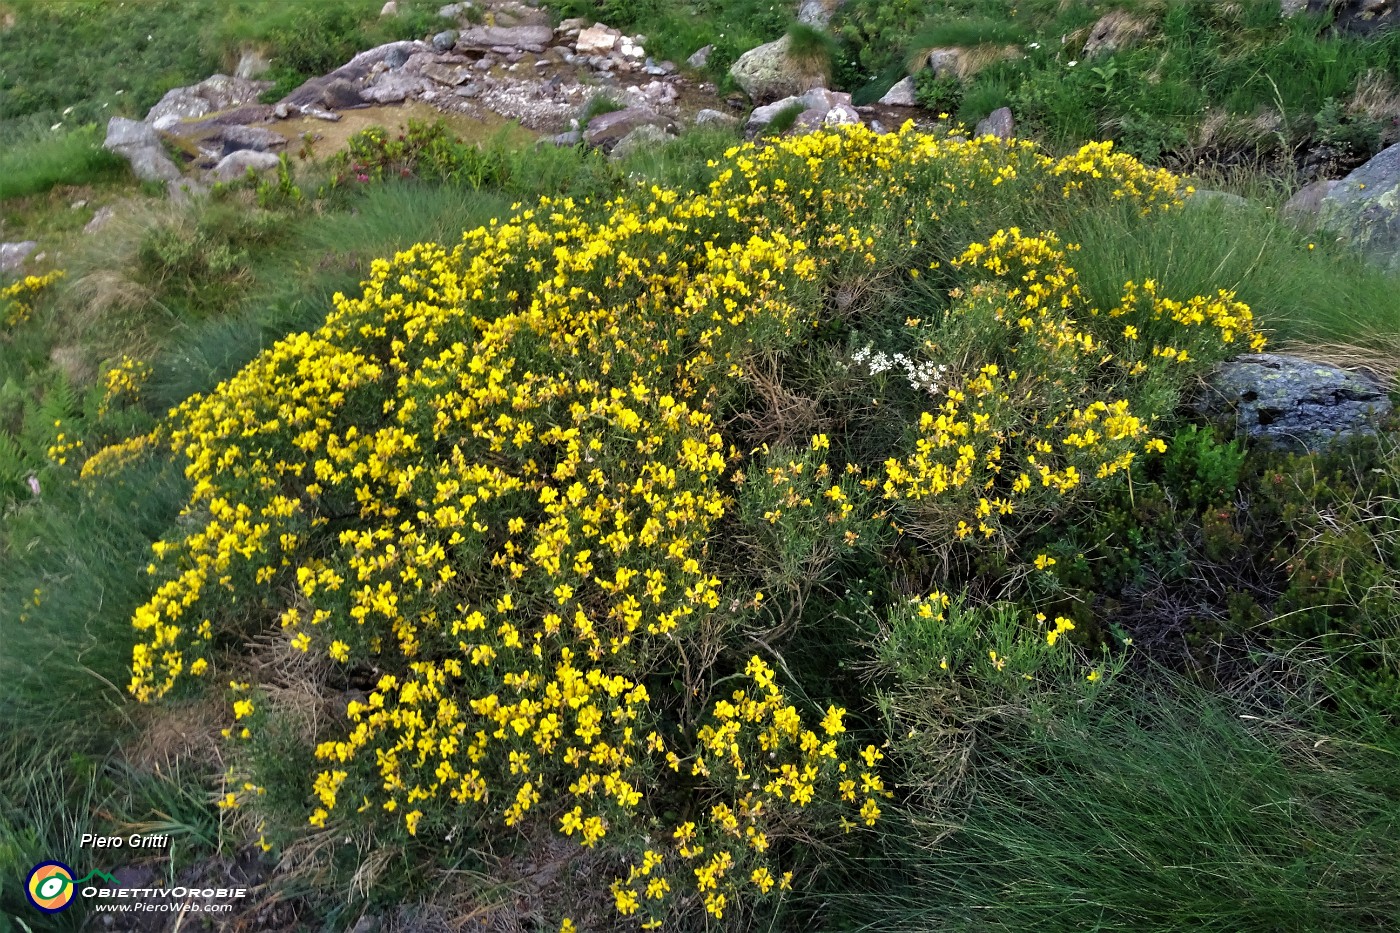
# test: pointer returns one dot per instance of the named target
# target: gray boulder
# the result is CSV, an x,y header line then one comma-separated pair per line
x,y
390,87
1302,209
646,136
1209,197
235,165
901,95
1290,402
715,118
700,57
998,123
945,63
445,40
770,72
818,12
138,143
817,105
606,130
339,88
13,255
1364,208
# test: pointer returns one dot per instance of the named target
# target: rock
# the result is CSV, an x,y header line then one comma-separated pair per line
x,y
998,123
235,165
841,115
1114,32
1364,208
808,121
715,118
236,138
901,95
606,130
1357,17
389,9
770,72
319,114
392,87
818,102
1206,197
100,219
13,255
1302,209
455,10
396,58
445,41
339,87
945,63
818,12
129,134
251,64
1292,403
1292,7
215,93
654,93
597,40
700,57
510,38
565,140
137,142
645,136
451,75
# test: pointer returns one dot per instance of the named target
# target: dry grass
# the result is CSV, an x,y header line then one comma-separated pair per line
x,y
172,735
1381,361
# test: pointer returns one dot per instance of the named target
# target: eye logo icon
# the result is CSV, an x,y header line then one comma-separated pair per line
x,y
49,887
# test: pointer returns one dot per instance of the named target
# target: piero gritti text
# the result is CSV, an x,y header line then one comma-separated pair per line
x,y
134,841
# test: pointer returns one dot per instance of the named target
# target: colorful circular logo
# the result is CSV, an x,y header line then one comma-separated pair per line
x,y
49,887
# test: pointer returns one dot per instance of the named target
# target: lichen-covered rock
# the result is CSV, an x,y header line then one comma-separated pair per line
x,y
771,71
1290,402
1302,209
1364,208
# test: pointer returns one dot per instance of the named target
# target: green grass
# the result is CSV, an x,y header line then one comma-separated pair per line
x,y
1155,811
67,157
83,61
1325,294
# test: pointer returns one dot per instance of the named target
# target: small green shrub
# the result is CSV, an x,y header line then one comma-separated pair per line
x,y
939,94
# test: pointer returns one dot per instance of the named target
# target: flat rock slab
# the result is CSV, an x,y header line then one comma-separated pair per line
x,y
1292,403
525,38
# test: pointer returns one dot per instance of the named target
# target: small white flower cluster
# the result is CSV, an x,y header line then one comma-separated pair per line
x,y
923,376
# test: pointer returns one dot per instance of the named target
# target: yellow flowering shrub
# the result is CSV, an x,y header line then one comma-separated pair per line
x,y
503,478
17,297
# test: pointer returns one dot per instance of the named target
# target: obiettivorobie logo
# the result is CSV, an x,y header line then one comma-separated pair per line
x,y
51,885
